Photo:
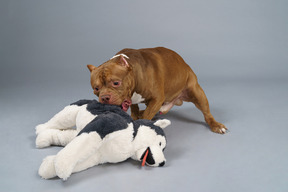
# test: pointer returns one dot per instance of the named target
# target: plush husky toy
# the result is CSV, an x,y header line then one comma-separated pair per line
x,y
104,133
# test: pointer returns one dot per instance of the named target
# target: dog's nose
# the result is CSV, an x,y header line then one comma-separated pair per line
x,y
105,98
162,164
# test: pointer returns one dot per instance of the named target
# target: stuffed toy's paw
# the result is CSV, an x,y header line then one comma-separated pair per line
x,y
40,128
63,169
43,139
47,168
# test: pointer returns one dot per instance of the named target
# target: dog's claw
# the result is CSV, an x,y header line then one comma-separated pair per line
x,y
221,129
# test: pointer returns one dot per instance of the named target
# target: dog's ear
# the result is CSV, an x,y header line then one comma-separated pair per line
x,y
91,67
162,123
123,62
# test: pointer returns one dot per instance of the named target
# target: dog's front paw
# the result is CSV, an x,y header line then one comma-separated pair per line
x,y
219,128
43,140
40,128
47,168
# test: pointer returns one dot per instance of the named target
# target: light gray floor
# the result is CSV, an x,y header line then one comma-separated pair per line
x,y
253,156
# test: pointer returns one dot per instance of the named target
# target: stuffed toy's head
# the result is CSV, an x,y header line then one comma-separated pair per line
x,y
151,142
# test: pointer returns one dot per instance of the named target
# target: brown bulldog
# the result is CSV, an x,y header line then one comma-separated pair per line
x,y
158,77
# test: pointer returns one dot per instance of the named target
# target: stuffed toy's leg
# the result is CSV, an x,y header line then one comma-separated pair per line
x,y
52,132
77,152
55,137
78,155
57,131
90,162
65,119
47,168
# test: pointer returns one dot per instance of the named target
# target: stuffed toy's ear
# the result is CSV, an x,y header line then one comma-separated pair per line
x,y
162,123
91,67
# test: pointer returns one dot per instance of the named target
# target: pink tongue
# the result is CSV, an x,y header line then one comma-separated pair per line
x,y
125,105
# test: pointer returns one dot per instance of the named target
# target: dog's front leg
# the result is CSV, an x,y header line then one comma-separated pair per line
x,y
134,111
153,107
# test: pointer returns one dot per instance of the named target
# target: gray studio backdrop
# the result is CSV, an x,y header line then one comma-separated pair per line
x,y
54,40
237,48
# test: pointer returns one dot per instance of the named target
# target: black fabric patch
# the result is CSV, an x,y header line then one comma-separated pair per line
x,y
112,118
137,123
82,102
105,124
109,118
97,108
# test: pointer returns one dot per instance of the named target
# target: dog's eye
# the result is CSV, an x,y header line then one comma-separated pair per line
x,y
96,89
116,83
160,144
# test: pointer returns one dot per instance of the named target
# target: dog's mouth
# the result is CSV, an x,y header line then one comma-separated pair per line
x,y
126,104
112,100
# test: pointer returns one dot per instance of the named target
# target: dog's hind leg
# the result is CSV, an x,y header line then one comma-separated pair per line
x,y
77,151
65,119
195,94
58,137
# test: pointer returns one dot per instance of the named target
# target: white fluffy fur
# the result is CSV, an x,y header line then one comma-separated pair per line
x,y
162,123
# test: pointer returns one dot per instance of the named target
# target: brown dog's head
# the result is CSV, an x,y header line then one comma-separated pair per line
x,y
112,82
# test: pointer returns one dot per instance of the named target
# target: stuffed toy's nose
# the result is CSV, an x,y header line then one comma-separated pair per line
x,y
162,164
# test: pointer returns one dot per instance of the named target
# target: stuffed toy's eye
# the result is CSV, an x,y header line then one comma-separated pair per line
x,y
160,144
